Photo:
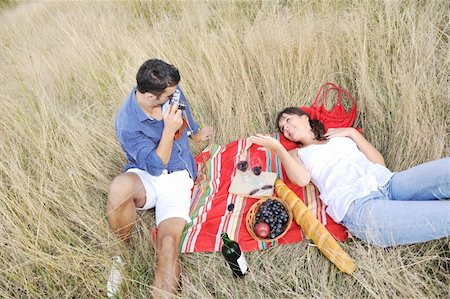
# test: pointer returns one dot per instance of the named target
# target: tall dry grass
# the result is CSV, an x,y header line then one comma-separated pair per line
x,y
67,66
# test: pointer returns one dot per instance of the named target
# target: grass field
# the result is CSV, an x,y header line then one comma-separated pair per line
x,y
67,66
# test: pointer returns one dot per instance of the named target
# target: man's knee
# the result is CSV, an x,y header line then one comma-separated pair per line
x,y
125,188
168,246
169,236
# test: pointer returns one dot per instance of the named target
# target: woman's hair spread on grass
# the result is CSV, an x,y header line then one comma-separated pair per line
x,y
155,75
316,126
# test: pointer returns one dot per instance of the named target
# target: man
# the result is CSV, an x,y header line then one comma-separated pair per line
x,y
153,126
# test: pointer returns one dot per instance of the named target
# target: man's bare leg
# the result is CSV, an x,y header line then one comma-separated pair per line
x,y
167,272
125,195
128,193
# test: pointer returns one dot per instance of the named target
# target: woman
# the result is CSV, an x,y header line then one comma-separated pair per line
x,y
376,205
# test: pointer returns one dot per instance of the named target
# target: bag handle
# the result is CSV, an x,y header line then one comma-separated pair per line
x,y
328,89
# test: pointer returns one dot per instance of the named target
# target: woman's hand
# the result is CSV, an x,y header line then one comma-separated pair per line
x,y
265,141
364,146
340,132
294,168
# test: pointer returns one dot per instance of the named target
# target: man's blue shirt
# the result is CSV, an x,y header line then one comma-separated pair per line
x,y
139,136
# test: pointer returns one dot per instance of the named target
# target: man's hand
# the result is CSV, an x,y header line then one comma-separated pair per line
x,y
172,119
203,134
172,122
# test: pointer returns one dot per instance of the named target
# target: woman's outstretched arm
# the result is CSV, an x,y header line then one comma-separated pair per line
x,y
293,166
364,146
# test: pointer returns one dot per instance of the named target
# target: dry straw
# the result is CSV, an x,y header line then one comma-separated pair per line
x,y
66,67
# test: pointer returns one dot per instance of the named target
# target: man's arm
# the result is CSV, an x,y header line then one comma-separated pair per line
x,y
148,154
142,151
172,122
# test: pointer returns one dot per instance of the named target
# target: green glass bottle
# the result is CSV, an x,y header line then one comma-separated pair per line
x,y
234,256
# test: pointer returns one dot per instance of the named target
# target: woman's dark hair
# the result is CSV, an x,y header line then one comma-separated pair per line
x,y
316,126
155,75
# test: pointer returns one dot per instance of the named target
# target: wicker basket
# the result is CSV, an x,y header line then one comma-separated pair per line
x,y
251,218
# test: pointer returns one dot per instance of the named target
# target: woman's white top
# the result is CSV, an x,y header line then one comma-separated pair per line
x,y
342,173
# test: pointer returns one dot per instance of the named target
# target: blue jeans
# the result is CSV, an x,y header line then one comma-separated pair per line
x,y
413,207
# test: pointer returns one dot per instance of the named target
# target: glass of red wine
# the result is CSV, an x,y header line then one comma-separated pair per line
x,y
256,166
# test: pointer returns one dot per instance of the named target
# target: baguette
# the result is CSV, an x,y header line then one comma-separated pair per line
x,y
315,230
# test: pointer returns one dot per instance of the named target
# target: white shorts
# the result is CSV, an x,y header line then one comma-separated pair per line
x,y
169,194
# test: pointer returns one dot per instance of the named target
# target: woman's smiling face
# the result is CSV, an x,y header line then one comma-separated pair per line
x,y
294,127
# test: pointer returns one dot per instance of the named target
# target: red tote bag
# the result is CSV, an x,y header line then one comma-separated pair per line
x,y
337,117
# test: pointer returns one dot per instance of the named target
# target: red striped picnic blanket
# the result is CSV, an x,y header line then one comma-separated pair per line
x,y
214,210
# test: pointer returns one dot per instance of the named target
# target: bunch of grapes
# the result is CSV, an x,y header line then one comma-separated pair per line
x,y
275,215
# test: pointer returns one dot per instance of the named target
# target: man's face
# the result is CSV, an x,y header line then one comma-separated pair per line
x,y
166,95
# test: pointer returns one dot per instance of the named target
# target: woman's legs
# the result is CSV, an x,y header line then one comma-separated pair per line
x,y
394,222
427,181
407,210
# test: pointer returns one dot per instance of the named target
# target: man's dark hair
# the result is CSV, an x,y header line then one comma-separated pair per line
x,y
155,75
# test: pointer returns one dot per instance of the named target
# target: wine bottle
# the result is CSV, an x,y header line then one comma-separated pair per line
x,y
234,256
